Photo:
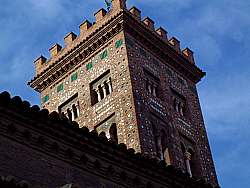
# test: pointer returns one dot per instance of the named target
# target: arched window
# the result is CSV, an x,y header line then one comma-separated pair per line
x,y
100,88
113,133
69,114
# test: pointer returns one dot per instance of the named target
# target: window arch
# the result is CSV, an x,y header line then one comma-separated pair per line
x,y
101,87
70,108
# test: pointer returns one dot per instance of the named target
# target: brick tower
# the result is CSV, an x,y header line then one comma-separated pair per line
x,y
123,77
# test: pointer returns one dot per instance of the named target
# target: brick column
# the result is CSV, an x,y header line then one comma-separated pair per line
x,y
104,90
109,85
98,94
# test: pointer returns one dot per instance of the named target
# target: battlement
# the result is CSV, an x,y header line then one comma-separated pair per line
x,y
40,63
102,16
68,39
135,12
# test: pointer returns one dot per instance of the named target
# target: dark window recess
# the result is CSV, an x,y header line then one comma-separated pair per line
x,y
101,87
75,111
109,128
70,108
152,83
113,133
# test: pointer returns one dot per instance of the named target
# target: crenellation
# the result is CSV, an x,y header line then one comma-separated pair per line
x,y
136,13
69,38
84,27
162,32
175,43
149,22
39,63
189,54
100,14
54,50
119,5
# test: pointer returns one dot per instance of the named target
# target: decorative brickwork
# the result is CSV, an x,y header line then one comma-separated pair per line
x,y
121,67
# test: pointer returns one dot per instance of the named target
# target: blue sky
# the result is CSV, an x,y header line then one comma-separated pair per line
x,y
216,30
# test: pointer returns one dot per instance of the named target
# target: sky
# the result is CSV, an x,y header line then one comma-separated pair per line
x,y
216,30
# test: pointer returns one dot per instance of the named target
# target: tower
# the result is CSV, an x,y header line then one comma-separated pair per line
x,y
123,77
